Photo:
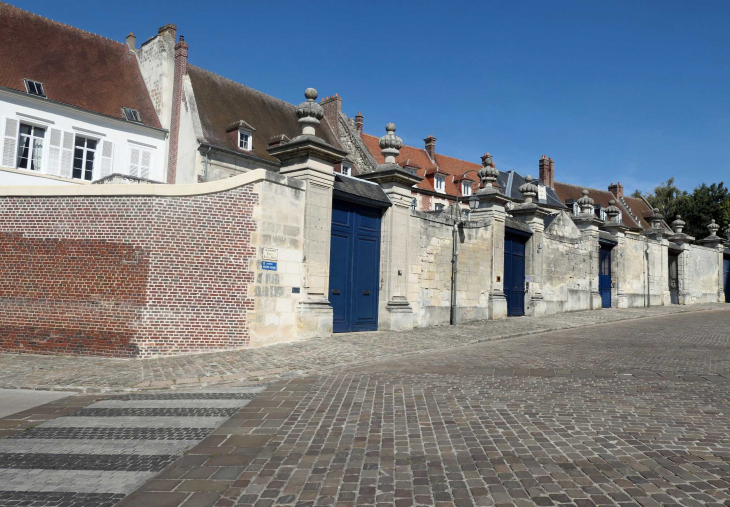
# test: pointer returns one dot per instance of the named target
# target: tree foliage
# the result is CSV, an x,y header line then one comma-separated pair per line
x,y
706,202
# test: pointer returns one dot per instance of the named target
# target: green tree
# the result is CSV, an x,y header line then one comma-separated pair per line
x,y
669,199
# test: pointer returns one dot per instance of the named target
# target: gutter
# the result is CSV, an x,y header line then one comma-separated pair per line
x,y
81,109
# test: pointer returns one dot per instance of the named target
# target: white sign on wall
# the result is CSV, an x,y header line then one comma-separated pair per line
x,y
270,254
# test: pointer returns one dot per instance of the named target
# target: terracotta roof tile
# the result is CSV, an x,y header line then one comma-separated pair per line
x,y
451,168
76,67
566,191
640,209
221,102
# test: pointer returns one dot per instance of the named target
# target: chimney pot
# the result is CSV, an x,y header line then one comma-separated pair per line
x,y
131,41
547,171
359,122
430,146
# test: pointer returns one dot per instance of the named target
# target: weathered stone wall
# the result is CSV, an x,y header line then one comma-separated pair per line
x,y
703,267
632,279
566,258
429,286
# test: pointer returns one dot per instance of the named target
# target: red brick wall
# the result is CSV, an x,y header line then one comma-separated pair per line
x,y
181,69
126,276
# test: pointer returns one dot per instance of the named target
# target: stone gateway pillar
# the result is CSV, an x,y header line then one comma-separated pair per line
x,y
394,311
310,159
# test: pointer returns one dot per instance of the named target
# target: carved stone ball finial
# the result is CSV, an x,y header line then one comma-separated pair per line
x,y
488,173
528,190
309,112
656,219
612,212
585,203
713,228
390,144
678,224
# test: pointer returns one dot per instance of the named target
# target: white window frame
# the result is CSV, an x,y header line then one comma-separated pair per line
x,y
466,188
247,143
38,87
84,157
346,170
439,183
139,172
32,148
436,206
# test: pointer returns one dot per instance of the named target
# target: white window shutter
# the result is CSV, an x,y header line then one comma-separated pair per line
x,y
67,155
134,156
10,142
107,150
54,152
146,164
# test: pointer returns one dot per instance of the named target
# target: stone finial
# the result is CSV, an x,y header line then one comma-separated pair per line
x,y
528,190
488,173
390,144
585,203
678,224
309,112
612,212
656,219
713,228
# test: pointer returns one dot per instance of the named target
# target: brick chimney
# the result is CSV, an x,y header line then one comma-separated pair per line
x,y
430,146
169,29
547,171
332,106
131,41
181,68
617,189
359,122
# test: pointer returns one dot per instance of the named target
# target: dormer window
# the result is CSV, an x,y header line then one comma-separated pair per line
x,y
346,169
131,114
439,183
35,88
466,188
245,140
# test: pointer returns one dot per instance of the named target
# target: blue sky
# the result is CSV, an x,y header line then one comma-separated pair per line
x,y
635,91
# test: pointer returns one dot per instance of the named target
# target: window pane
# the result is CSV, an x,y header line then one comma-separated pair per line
x,y
37,154
25,129
79,141
91,144
39,132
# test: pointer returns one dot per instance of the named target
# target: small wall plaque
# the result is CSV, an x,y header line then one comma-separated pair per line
x,y
270,254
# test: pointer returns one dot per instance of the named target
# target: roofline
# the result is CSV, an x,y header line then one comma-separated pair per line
x,y
20,93
206,144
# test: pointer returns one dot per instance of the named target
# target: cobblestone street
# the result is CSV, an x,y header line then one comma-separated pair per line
x,y
633,413
314,356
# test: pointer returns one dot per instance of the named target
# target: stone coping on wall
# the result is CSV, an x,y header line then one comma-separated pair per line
x,y
158,190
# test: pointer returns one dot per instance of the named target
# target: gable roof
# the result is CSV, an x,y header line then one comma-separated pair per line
x,y
222,102
566,191
639,208
452,168
77,68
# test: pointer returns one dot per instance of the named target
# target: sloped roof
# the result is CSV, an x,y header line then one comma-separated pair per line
x,y
511,181
639,208
221,102
450,167
76,67
566,191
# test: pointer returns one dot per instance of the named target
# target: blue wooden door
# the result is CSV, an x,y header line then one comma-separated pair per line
x,y
726,272
354,267
604,276
514,274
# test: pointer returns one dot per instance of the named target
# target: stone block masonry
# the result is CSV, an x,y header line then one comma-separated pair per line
x,y
107,271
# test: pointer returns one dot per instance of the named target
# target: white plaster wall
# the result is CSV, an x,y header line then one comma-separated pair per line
x,y
633,280
49,115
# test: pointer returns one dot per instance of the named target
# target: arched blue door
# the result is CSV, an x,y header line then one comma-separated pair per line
x,y
354,267
514,273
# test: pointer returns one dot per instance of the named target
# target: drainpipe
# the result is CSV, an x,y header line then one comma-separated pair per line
x,y
454,268
205,173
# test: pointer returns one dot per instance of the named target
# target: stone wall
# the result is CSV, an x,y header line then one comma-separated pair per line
x,y
429,286
704,276
566,267
633,279
147,270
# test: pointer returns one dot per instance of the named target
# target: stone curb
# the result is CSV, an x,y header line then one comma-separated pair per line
x,y
259,376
